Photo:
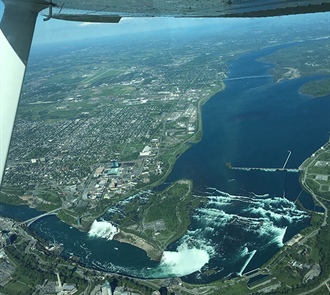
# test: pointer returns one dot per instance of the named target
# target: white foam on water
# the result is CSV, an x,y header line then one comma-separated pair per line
x,y
141,195
184,261
264,215
198,239
275,208
244,251
279,238
274,233
227,198
268,213
213,217
103,229
261,218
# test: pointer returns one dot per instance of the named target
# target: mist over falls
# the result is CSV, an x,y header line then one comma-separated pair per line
x,y
103,229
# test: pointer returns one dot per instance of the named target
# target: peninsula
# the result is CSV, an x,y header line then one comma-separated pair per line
x,y
154,221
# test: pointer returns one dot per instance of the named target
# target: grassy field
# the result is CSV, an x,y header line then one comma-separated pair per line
x,y
317,172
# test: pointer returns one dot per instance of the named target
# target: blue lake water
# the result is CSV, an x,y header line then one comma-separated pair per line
x,y
252,123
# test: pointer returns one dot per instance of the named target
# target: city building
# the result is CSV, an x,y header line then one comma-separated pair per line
x,y
65,289
6,238
98,171
114,164
146,151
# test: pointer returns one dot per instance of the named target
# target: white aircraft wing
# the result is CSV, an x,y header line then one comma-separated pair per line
x,y
18,22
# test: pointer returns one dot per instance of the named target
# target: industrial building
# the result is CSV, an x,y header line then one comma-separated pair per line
x,y
146,151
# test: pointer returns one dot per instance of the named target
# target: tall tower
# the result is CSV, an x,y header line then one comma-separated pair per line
x,y
59,280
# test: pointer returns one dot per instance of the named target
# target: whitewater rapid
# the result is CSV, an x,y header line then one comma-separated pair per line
x,y
229,225
103,229
226,234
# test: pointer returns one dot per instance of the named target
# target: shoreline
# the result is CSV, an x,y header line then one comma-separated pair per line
x,y
183,147
152,252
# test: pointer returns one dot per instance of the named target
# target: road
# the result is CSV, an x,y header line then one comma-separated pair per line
x,y
316,288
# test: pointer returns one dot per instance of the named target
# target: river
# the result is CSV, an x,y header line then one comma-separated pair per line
x,y
252,123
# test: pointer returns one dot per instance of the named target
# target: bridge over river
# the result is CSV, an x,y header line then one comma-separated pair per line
x,y
33,219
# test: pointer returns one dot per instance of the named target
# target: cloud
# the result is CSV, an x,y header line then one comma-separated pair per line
x,y
85,24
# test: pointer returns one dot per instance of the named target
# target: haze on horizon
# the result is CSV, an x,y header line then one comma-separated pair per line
x,y
57,31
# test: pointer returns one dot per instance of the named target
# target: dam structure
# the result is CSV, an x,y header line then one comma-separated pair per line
x,y
294,170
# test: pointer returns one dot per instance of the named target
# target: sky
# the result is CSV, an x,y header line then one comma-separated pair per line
x,y
55,31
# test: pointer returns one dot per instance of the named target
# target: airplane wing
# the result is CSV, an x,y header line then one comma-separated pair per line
x,y
103,9
18,22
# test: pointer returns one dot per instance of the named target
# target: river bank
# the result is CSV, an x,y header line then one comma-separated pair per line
x,y
163,217
132,239
80,212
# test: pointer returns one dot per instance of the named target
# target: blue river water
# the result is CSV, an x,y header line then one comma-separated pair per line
x,y
252,123
249,214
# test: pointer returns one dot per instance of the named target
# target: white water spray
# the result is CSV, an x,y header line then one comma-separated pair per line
x,y
103,229
184,261
280,237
